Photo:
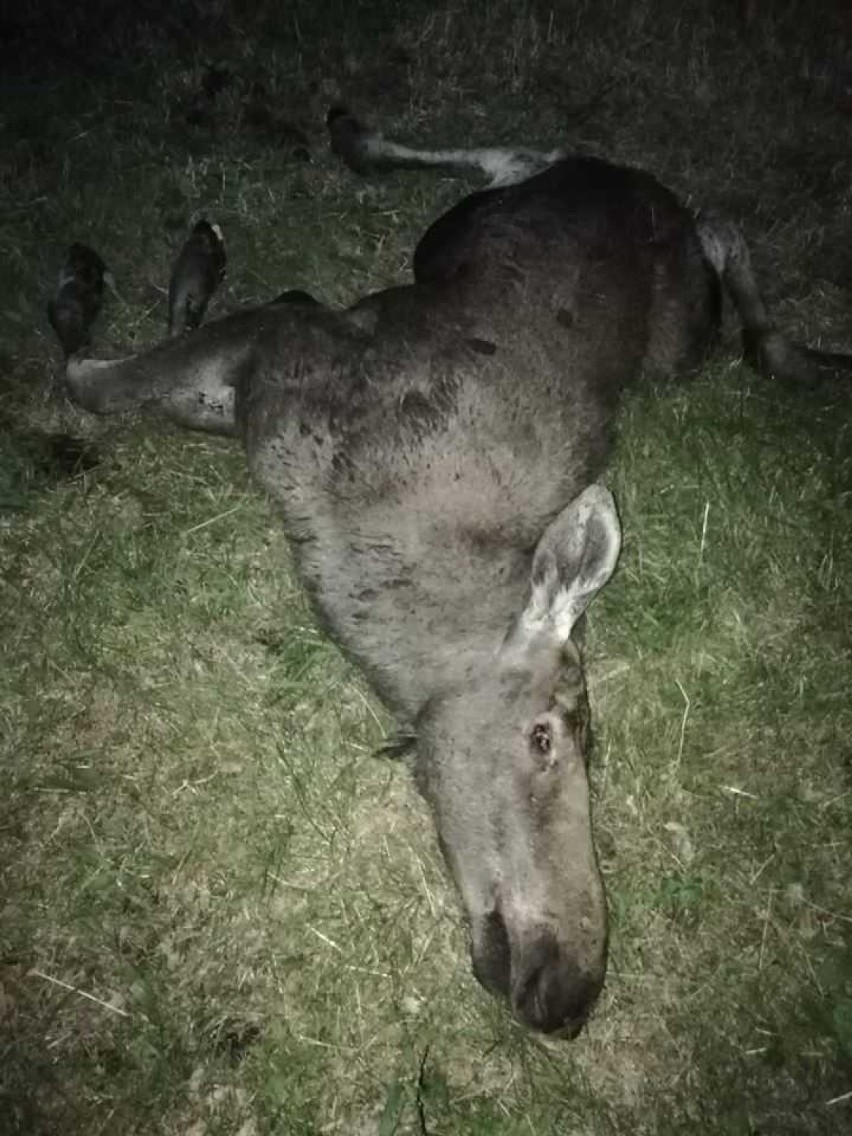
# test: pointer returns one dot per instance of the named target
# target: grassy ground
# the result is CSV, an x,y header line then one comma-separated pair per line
x,y
222,914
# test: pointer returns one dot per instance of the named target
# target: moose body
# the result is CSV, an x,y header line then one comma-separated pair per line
x,y
434,451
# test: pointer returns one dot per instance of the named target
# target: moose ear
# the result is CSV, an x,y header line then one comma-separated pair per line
x,y
574,559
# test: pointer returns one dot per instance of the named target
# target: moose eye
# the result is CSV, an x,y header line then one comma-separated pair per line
x,y
542,739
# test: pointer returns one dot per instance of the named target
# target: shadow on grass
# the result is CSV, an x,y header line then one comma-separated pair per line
x,y
32,461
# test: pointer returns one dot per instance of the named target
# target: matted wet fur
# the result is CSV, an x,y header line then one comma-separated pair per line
x,y
434,451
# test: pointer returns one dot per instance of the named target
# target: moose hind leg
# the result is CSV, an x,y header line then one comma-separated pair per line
x,y
765,346
365,151
725,249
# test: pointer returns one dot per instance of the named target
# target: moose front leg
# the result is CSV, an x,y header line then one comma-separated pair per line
x,y
188,381
192,380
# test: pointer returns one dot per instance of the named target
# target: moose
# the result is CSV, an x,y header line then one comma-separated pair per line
x,y
434,451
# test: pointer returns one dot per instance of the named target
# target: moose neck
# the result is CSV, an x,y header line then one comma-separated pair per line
x,y
423,620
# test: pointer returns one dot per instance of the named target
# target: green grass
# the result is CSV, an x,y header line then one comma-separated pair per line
x,y
221,912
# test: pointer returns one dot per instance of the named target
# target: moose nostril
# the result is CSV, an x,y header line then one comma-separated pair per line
x,y
491,955
550,993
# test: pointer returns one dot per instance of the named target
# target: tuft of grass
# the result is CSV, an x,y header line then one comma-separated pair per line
x,y
222,913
